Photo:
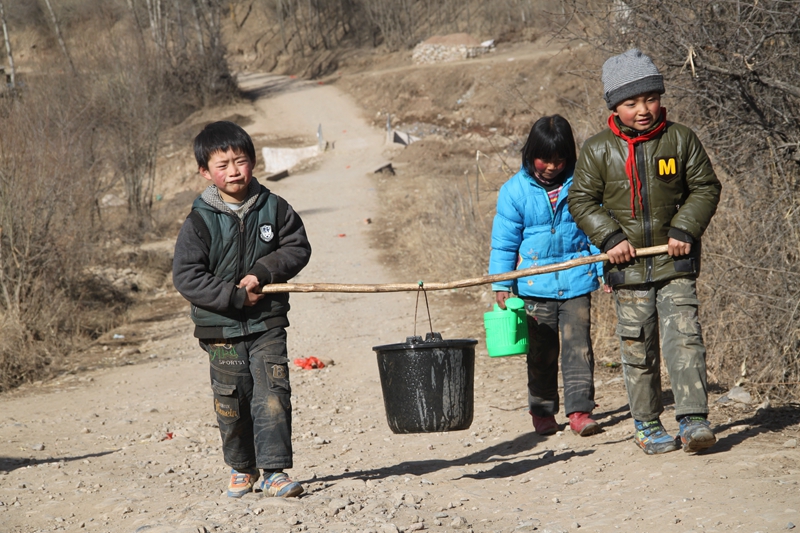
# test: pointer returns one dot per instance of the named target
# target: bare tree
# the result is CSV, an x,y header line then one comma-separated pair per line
x,y
9,55
59,36
154,13
44,216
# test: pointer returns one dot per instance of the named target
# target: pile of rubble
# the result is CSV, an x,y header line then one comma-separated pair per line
x,y
127,279
454,47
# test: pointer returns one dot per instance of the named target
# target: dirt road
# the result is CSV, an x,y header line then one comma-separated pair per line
x,y
135,448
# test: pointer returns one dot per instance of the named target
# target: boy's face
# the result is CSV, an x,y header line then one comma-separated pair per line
x,y
231,172
640,112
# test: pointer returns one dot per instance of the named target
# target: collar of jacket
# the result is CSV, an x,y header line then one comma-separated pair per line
x,y
529,176
630,164
632,133
211,197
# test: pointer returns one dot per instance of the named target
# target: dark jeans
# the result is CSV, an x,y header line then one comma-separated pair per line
x,y
252,399
546,318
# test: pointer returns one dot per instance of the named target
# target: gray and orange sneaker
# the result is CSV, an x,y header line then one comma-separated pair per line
x,y
695,433
242,482
279,485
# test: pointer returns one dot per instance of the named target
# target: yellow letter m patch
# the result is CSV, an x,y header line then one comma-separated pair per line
x,y
667,168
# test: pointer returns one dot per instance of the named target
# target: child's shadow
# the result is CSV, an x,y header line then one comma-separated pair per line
x,y
623,412
498,452
762,421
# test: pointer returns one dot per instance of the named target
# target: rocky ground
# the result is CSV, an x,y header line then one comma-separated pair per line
x,y
134,447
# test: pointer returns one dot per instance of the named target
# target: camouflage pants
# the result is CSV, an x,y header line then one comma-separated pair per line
x,y
669,308
252,399
546,318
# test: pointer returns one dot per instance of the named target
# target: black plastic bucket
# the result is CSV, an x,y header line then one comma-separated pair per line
x,y
428,385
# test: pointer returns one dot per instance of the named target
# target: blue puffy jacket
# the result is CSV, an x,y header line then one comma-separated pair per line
x,y
526,232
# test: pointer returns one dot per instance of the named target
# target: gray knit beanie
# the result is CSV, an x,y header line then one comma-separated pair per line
x,y
628,75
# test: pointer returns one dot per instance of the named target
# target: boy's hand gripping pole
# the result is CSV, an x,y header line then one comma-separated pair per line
x,y
483,280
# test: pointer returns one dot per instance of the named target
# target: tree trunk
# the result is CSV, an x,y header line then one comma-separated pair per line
x,y
11,73
60,38
282,24
181,34
201,45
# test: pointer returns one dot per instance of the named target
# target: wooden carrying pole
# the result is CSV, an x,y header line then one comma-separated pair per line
x,y
483,280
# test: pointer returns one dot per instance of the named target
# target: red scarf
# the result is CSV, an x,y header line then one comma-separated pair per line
x,y
630,163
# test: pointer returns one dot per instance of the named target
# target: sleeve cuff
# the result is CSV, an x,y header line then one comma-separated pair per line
x,y
613,240
262,273
239,297
680,235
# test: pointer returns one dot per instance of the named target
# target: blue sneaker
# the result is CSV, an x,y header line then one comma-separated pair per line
x,y
695,433
279,485
242,482
653,438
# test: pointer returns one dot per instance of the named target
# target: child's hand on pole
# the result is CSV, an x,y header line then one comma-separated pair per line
x,y
676,248
501,297
254,294
621,253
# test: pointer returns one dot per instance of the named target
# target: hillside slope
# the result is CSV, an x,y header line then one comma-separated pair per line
x,y
135,448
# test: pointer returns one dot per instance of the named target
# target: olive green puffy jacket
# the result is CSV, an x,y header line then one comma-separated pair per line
x,y
679,195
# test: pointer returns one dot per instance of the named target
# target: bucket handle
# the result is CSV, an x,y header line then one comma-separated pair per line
x,y
421,288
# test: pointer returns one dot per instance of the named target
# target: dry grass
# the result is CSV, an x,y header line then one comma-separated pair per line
x,y
70,136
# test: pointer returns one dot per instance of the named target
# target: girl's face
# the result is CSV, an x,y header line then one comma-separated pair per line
x,y
548,170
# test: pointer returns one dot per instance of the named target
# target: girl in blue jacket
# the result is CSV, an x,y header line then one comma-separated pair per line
x,y
533,227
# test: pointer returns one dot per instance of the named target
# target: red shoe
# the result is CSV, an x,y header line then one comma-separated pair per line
x,y
544,425
582,424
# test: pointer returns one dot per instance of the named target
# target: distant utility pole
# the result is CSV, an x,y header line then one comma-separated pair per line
x,y
60,38
8,47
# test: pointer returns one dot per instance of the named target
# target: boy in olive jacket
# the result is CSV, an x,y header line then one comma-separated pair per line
x,y
239,237
646,181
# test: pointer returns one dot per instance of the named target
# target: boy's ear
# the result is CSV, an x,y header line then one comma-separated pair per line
x,y
205,173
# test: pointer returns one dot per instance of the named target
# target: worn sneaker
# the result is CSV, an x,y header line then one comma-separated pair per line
x,y
242,482
695,433
653,438
544,425
279,485
582,424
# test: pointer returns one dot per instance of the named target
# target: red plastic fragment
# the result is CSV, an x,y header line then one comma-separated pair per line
x,y
309,363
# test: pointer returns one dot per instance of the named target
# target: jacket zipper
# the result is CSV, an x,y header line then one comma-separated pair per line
x,y
240,267
646,218
558,242
553,214
242,252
